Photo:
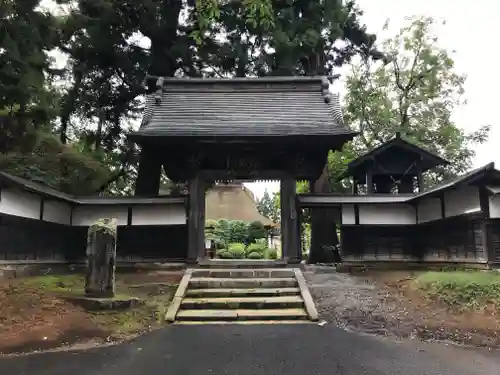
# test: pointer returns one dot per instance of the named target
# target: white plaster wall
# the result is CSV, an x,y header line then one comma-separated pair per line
x,y
88,215
348,214
429,209
461,201
387,214
57,212
19,203
494,201
173,214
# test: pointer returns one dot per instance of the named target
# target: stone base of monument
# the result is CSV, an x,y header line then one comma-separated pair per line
x,y
99,304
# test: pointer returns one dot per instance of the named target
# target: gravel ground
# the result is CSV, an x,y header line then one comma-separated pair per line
x,y
355,303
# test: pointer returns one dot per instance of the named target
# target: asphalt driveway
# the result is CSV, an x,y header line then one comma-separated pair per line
x,y
259,350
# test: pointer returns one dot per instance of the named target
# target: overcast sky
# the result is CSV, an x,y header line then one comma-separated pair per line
x,y
469,30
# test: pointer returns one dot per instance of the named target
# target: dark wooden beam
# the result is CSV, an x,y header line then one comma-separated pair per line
x,y
149,173
356,214
369,181
443,210
129,216
42,207
289,239
196,219
420,178
406,185
484,201
486,235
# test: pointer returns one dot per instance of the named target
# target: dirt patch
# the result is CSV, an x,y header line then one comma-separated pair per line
x,y
35,315
386,303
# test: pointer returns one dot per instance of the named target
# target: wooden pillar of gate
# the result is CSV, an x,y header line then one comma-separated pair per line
x,y
290,244
148,175
196,219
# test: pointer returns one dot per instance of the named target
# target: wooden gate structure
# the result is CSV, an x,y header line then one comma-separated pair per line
x,y
208,130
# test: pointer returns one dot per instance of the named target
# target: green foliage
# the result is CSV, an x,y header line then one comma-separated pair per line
x,y
271,254
59,166
238,231
103,80
268,206
222,233
25,36
223,254
210,230
252,251
462,289
255,248
255,255
255,231
415,92
234,251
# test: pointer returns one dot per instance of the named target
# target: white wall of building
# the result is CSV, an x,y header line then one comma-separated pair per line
x,y
348,214
57,212
429,209
461,201
494,202
387,214
88,215
28,205
20,203
172,214
379,214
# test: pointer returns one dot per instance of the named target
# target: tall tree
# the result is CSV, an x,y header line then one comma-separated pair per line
x,y
26,99
268,206
415,94
193,38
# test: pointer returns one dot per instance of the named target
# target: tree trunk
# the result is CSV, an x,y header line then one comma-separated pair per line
x,y
101,256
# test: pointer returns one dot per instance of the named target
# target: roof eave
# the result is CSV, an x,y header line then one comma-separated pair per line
x,y
232,80
139,136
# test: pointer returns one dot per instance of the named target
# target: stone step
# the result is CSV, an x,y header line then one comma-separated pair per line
x,y
243,302
209,282
244,273
239,263
241,314
242,292
240,322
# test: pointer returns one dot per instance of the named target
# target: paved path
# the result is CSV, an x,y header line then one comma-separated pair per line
x,y
259,350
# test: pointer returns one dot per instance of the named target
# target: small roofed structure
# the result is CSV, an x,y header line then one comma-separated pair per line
x,y
394,166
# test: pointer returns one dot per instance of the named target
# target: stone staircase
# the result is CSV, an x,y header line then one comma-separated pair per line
x,y
242,295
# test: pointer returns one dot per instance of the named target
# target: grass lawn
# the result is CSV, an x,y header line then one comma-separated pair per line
x,y
36,313
464,290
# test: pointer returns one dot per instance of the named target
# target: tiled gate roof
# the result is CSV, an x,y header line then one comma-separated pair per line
x,y
274,106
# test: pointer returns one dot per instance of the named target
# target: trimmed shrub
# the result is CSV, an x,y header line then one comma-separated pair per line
x,y
223,254
237,250
255,248
261,241
271,254
255,255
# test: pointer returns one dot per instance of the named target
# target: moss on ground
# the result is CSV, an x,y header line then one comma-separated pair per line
x,y
73,283
157,298
463,290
